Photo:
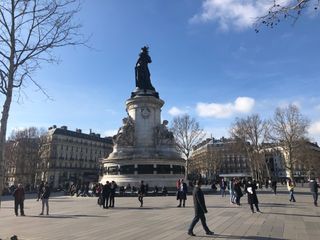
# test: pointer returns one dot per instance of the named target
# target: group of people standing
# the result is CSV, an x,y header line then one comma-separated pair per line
x,y
107,195
249,188
108,191
19,197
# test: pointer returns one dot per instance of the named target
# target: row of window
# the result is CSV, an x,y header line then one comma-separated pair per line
x,y
80,141
76,149
145,169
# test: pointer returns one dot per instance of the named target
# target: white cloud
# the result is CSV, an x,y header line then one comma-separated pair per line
x,y
238,14
225,110
110,132
111,111
317,108
217,132
315,128
174,111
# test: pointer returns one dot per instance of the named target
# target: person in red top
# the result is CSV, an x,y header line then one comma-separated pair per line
x,y
19,196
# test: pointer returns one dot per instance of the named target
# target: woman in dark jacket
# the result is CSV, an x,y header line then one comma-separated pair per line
x,y
252,195
182,190
45,198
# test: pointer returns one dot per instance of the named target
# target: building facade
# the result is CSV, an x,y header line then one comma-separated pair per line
x,y
305,164
71,156
217,157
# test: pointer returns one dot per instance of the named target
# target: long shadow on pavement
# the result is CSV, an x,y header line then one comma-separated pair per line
x,y
238,237
293,214
281,205
136,208
67,216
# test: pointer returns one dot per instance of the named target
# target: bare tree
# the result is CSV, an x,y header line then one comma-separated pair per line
x,y
214,159
206,158
288,131
251,133
187,133
29,31
282,10
25,154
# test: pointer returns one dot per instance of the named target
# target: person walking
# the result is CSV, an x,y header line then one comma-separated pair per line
x,y
105,194
314,186
19,196
252,195
45,198
40,187
141,193
200,210
274,186
267,183
290,186
182,193
223,187
231,190
113,188
237,191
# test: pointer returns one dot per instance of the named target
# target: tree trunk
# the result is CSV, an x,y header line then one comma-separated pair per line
x,y
3,132
187,169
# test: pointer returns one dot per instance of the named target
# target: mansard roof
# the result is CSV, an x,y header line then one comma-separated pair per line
x,y
78,134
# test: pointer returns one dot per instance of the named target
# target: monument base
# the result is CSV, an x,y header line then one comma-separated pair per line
x,y
154,172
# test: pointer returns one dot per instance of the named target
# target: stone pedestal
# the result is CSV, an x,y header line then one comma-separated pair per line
x,y
148,157
145,111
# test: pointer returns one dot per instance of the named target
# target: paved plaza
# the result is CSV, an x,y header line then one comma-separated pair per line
x,y
82,218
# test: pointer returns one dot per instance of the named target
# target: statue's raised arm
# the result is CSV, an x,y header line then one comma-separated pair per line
x,y
143,80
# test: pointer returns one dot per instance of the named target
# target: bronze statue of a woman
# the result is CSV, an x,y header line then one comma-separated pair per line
x,y
142,73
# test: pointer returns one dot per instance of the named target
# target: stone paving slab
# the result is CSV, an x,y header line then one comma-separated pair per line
x,y
81,218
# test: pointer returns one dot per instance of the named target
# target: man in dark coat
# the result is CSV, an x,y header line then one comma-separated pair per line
x,y
252,195
200,209
113,188
19,196
274,186
106,189
314,190
141,193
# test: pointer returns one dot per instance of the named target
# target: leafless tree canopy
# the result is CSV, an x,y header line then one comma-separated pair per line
x,y
251,129
29,31
22,153
27,133
282,10
187,133
289,130
251,133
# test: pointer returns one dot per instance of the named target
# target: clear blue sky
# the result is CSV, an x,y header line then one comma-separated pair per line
x,y
207,61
